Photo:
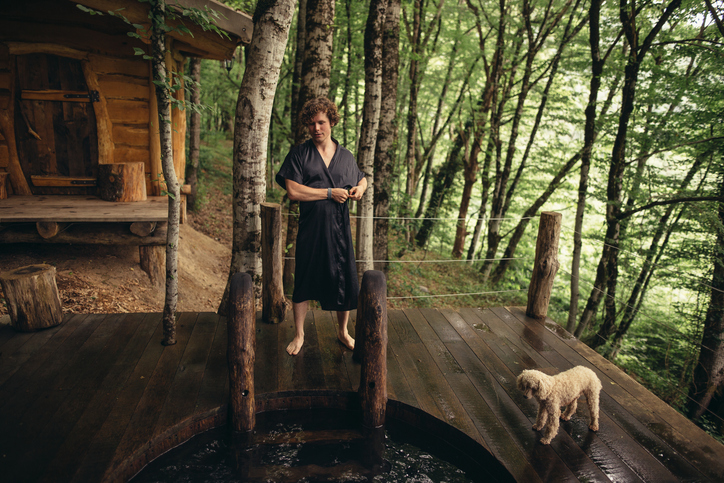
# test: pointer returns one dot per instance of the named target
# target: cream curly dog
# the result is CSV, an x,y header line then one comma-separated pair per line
x,y
563,389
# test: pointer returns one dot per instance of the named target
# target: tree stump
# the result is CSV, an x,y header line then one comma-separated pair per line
x,y
122,182
32,297
49,229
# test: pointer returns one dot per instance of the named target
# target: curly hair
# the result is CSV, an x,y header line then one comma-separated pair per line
x,y
314,106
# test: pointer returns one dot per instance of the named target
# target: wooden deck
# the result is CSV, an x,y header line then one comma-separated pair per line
x,y
76,209
89,400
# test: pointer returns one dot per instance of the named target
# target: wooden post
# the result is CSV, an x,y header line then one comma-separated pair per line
x,y
152,259
274,306
546,265
32,297
241,327
3,185
373,321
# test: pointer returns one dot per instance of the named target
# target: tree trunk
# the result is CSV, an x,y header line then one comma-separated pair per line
x,y
192,169
253,117
411,140
614,190
368,136
163,98
313,82
639,288
709,370
386,149
442,183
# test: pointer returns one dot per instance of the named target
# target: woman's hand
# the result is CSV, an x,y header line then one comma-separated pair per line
x,y
340,195
359,190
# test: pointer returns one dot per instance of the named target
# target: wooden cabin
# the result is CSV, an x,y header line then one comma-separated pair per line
x,y
74,95
78,109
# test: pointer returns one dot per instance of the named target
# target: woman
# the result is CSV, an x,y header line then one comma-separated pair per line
x,y
322,176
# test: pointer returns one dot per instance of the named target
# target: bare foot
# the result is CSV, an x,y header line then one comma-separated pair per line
x,y
345,339
295,346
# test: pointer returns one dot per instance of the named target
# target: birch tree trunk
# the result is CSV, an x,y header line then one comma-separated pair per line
x,y
368,136
253,116
194,132
386,149
163,97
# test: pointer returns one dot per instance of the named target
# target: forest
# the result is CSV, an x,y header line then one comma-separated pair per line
x,y
472,117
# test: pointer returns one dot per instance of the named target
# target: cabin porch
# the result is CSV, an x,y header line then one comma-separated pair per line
x,y
97,397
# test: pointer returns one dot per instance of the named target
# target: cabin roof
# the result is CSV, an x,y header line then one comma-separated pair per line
x,y
65,24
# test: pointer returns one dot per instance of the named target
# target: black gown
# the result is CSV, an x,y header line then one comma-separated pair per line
x,y
325,262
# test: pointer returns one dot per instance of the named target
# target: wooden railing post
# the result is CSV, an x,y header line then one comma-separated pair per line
x,y
546,265
274,306
372,330
241,327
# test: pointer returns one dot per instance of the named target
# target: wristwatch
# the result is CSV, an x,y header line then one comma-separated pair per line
x,y
329,193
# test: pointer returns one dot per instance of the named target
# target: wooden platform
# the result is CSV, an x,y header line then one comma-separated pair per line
x,y
85,400
76,209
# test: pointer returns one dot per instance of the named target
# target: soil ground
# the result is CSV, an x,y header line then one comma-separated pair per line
x,y
109,279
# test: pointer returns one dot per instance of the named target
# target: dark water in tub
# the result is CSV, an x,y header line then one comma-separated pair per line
x,y
314,446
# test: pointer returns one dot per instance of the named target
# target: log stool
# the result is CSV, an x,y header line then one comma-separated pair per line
x,y
32,297
122,182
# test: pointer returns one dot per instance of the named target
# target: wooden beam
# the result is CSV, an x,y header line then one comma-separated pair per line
x,y
73,181
25,48
49,229
17,177
83,234
274,305
56,95
104,126
154,139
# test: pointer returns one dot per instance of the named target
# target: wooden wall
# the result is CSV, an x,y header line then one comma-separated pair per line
x,y
123,79
4,100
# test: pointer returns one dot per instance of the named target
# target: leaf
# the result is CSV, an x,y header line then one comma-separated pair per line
x,y
139,51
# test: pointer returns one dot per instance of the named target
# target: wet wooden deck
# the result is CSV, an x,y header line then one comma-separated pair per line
x,y
79,401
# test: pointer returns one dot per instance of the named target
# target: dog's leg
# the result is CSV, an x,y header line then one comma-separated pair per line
x,y
592,397
570,410
542,416
554,413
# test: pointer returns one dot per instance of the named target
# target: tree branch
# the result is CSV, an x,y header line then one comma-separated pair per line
x,y
628,214
671,148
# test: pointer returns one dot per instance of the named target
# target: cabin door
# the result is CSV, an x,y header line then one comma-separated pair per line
x,y
55,125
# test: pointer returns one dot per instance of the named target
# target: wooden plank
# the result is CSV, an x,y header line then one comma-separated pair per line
x,y
131,135
123,87
611,449
266,367
29,412
627,412
285,369
63,181
73,209
182,395
214,385
82,387
73,449
308,372
103,446
128,111
55,95
131,154
105,65
331,353
28,352
140,429
496,384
